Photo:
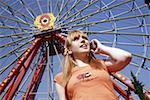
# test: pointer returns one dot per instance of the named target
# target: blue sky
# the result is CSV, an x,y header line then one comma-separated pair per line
x,y
118,23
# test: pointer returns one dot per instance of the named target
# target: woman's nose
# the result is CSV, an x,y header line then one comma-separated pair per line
x,y
82,40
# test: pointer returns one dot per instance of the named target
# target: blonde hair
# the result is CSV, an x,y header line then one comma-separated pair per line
x,y
69,61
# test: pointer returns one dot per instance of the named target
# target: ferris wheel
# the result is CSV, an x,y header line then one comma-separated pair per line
x,y
33,32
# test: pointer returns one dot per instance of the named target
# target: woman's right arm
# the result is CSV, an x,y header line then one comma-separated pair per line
x,y
60,92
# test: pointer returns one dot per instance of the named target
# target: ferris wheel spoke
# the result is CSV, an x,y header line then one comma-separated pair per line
x,y
135,43
13,15
76,2
14,10
28,8
50,5
3,69
78,12
124,35
133,27
96,12
118,33
105,20
145,39
140,56
113,25
125,12
90,3
15,20
122,28
137,66
137,7
125,44
118,28
14,42
143,60
16,28
134,3
39,6
15,49
84,27
56,51
8,10
133,9
140,67
63,4
56,6
20,34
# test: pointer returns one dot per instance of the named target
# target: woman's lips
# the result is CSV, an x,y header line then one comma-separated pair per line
x,y
83,46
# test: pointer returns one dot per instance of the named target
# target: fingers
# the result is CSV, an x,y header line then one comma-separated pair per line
x,y
94,45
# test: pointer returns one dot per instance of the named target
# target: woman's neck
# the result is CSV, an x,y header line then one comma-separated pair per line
x,y
82,61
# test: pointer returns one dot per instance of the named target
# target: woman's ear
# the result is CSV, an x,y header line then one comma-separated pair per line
x,y
69,52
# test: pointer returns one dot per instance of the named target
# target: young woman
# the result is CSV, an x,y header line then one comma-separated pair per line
x,y
85,77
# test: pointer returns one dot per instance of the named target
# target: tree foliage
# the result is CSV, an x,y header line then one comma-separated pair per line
x,y
138,87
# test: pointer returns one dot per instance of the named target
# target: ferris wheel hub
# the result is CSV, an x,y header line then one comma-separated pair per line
x,y
45,21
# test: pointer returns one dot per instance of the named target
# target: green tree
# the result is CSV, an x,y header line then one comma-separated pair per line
x,y
138,87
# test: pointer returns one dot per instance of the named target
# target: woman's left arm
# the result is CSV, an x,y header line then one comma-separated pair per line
x,y
118,58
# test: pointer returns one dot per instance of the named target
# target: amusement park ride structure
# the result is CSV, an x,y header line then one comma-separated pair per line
x,y
47,34
45,23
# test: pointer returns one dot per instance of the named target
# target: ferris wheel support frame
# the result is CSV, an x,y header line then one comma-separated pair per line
x,y
17,68
14,85
33,86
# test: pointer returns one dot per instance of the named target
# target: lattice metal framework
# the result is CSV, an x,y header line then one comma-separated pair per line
x,y
30,56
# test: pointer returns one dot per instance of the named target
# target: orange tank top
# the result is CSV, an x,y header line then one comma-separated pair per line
x,y
87,83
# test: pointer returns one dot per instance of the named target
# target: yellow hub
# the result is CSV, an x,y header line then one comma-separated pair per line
x,y
45,21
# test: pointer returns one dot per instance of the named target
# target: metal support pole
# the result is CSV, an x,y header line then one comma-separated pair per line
x,y
35,80
16,69
19,76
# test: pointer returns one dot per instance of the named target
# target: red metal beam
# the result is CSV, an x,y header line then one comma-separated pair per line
x,y
39,71
123,79
60,38
126,81
20,75
35,80
122,92
16,69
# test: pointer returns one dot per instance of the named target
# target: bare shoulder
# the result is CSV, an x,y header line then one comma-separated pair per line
x,y
58,78
100,63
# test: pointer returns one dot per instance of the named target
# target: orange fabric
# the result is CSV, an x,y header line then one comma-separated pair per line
x,y
87,83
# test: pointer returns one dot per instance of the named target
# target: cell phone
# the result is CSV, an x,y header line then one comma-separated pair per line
x,y
93,45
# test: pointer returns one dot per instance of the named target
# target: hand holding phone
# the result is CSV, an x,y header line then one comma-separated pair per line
x,y
97,47
93,45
